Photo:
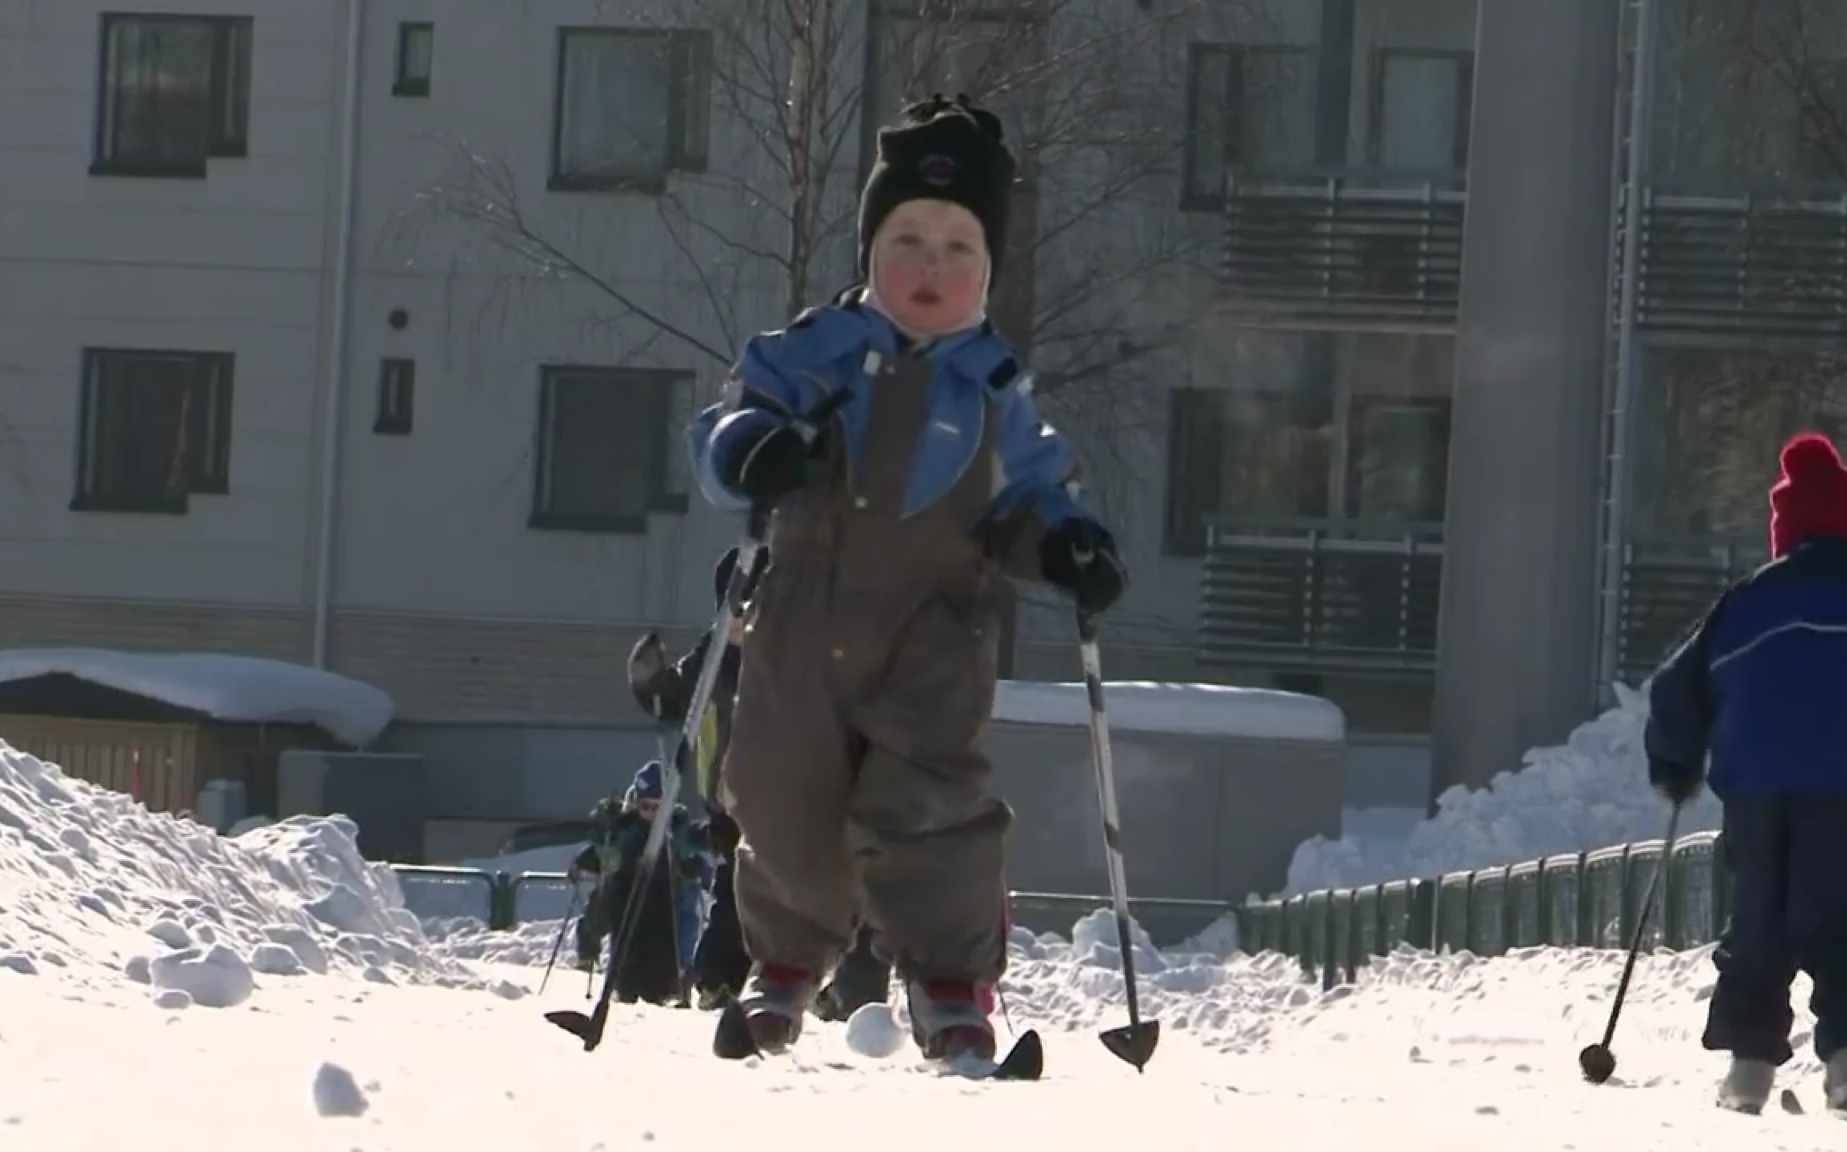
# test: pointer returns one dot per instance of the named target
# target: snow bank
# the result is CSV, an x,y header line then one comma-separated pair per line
x,y
238,689
1590,792
1190,709
90,878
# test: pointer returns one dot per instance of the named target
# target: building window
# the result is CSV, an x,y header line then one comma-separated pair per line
x,y
397,391
1420,110
1398,460
630,106
1707,427
606,436
1250,112
174,91
155,428
416,57
1258,457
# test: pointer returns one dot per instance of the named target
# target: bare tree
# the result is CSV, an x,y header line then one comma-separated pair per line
x,y
1098,276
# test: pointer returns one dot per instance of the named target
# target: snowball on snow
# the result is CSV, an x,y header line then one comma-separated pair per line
x,y
336,1093
215,978
873,1031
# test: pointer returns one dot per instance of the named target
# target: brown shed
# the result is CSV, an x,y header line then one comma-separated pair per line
x,y
157,751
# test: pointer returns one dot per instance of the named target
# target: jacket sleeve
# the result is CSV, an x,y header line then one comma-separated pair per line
x,y
1680,702
587,861
758,395
1037,486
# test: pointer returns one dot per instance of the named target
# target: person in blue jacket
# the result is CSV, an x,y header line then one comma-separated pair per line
x,y
855,768
1761,687
672,913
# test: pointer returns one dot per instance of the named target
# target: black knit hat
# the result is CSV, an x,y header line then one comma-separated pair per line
x,y
945,150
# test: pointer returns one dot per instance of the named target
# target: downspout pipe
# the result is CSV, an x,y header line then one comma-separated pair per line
x,y
333,435
1628,353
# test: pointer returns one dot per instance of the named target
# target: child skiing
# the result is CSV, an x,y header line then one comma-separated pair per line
x,y
869,662
1759,685
664,691
672,912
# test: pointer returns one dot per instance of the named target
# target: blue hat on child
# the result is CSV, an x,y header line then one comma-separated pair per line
x,y
648,784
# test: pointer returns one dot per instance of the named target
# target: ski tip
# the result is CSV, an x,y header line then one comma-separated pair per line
x,y
589,1028
1133,1043
731,1038
571,1020
1024,1061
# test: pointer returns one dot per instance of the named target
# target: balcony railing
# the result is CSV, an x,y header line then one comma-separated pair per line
x,y
1748,266
1666,590
1316,603
1337,253
1320,603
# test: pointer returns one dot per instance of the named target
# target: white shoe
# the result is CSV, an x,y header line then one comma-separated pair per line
x,y
1747,1086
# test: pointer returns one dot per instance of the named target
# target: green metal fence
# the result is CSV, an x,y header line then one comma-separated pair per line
x,y
1586,899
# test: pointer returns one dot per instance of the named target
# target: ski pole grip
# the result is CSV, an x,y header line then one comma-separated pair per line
x,y
808,427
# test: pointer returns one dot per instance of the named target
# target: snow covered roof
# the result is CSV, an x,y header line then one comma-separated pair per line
x,y
236,689
1190,709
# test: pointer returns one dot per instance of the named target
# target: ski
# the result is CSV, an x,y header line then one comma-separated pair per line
x,y
1792,1104
731,1040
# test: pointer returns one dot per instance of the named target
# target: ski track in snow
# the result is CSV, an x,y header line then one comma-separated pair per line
x,y
164,988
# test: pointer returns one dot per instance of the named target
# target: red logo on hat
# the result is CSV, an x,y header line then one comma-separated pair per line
x,y
938,171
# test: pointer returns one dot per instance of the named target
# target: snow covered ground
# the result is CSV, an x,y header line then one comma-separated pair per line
x,y
164,988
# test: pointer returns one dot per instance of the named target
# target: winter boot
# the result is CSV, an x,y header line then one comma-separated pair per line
x,y
1747,1085
1834,1082
774,1001
949,1018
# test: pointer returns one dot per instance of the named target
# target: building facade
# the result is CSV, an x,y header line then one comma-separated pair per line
x,y
1514,379
361,334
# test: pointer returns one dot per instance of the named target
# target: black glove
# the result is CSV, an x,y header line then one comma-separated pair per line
x,y
769,465
654,682
1677,783
1080,557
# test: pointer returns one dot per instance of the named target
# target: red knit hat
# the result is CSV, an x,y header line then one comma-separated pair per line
x,y
1810,496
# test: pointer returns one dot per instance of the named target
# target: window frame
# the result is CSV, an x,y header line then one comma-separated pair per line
x,y
1237,53
690,76
207,476
397,396
659,499
1464,58
402,82
228,97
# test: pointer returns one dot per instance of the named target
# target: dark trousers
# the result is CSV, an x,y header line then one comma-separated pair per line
x,y
721,961
651,967
1787,857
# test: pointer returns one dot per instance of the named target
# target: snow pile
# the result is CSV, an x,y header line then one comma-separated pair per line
x,y
90,878
1591,792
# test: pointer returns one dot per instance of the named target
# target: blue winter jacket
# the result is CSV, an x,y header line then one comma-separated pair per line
x,y
1762,683
975,379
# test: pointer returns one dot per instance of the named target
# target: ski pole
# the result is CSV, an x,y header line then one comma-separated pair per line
x,y
1135,1042
1596,1061
558,940
589,1028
